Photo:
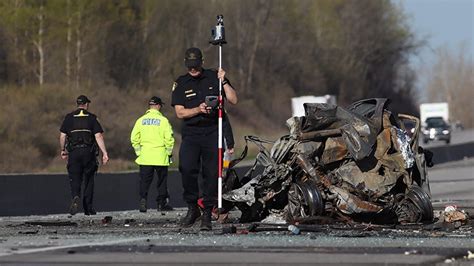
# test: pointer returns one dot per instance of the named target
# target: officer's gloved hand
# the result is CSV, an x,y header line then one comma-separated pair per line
x,y
170,157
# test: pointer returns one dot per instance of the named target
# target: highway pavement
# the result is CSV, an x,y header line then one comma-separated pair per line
x,y
133,238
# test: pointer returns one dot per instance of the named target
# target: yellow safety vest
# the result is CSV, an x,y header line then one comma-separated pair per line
x,y
152,139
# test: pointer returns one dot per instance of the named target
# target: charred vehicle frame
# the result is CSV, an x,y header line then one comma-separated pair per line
x,y
352,164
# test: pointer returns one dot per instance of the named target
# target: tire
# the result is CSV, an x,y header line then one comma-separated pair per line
x,y
422,200
311,199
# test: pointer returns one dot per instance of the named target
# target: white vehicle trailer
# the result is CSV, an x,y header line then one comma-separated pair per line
x,y
434,110
297,102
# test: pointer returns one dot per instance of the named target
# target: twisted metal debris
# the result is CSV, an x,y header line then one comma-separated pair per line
x,y
352,164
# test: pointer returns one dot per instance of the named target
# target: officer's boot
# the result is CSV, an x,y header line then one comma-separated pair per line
x,y
90,211
164,206
74,205
191,216
206,224
143,205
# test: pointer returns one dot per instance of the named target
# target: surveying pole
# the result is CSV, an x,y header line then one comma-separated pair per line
x,y
218,38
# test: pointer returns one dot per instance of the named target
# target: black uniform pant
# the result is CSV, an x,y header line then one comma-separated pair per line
x,y
82,166
146,177
199,153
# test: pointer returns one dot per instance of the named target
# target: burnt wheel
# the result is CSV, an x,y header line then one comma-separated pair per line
x,y
310,198
422,201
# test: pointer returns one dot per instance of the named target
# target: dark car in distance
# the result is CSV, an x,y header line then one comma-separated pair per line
x,y
436,129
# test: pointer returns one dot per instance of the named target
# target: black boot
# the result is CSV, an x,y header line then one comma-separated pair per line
x,y
90,211
74,205
191,216
163,206
206,224
142,205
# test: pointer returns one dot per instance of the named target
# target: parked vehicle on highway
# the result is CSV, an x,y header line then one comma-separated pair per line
x,y
350,164
436,129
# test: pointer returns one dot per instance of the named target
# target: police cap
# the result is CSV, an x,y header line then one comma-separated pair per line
x,y
82,99
155,100
193,57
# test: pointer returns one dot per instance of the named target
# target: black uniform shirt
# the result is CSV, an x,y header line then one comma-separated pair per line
x,y
190,92
81,123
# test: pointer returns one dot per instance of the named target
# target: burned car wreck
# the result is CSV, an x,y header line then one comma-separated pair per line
x,y
350,164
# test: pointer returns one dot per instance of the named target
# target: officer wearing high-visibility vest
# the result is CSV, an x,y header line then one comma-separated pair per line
x,y
152,139
80,136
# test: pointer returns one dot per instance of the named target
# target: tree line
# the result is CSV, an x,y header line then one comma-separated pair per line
x,y
123,51
450,79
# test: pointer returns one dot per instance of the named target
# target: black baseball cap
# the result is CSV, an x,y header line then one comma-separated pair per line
x,y
82,99
193,57
155,100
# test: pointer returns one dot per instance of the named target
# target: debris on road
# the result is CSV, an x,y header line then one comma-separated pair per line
x,y
229,230
349,164
451,214
470,255
51,223
294,229
129,221
28,232
106,220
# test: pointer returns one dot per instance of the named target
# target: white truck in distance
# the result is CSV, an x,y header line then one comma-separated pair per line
x,y
433,110
434,119
297,102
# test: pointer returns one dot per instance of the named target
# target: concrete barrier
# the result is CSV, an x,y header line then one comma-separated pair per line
x,y
37,194
449,153
48,194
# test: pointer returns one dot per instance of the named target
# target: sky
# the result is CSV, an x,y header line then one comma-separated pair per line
x,y
441,22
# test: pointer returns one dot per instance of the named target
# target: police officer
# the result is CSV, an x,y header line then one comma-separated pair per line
x,y
80,134
152,139
199,133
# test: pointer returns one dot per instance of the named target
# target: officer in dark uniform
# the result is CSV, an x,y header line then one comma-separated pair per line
x,y
199,150
80,138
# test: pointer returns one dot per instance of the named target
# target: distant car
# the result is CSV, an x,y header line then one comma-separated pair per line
x,y
436,129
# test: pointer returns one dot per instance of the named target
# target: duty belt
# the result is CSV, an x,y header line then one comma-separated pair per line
x,y
81,146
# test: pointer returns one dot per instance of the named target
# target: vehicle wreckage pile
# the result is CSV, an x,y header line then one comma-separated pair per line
x,y
351,164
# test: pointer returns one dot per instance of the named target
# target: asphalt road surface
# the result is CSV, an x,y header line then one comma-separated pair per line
x,y
133,238
457,137
453,183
